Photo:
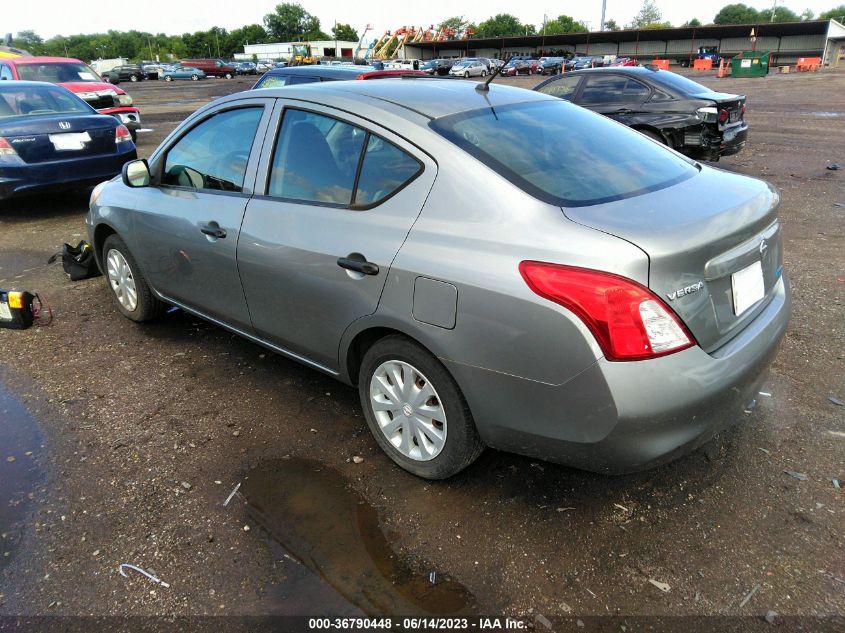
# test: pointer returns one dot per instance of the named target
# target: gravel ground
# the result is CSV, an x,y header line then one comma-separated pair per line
x,y
147,429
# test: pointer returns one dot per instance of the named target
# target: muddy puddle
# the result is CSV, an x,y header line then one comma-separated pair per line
x,y
333,550
20,442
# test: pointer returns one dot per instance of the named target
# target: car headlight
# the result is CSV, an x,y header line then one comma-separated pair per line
x,y
124,100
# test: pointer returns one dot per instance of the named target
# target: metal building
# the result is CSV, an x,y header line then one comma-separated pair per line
x,y
787,41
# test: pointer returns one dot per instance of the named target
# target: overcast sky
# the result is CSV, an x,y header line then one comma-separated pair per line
x,y
55,17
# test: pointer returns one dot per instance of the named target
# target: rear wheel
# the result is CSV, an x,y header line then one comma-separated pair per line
x,y
228,75
415,409
168,78
194,78
130,290
133,77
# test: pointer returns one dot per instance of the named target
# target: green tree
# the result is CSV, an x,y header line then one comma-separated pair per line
x,y
29,41
564,24
837,13
782,14
648,14
344,32
611,25
456,23
693,22
807,14
238,38
291,23
737,14
503,25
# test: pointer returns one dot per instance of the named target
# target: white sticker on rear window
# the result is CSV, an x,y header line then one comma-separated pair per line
x,y
86,76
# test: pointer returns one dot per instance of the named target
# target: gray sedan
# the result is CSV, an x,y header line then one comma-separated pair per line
x,y
496,268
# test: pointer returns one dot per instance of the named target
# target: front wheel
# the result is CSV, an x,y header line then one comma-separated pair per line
x,y
228,75
168,78
194,78
133,77
130,290
415,410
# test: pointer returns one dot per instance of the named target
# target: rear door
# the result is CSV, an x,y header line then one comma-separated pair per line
x,y
186,226
334,191
614,95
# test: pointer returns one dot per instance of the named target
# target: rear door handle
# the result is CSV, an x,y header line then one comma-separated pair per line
x,y
212,230
358,265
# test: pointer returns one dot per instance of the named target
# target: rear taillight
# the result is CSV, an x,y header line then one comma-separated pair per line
x,y
628,320
742,113
723,115
122,135
6,149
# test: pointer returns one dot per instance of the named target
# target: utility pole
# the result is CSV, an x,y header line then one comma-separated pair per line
x,y
774,6
603,10
334,30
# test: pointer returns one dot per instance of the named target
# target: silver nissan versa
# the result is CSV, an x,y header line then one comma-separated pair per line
x,y
497,268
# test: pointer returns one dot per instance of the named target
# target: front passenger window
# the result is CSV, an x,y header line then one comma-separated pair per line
x,y
564,88
214,154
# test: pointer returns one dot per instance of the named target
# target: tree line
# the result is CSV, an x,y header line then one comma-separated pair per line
x,y
290,22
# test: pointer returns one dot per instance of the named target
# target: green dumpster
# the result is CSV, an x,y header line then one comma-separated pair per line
x,y
750,64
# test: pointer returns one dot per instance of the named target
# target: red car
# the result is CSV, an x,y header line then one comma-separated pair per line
x,y
517,67
80,79
625,61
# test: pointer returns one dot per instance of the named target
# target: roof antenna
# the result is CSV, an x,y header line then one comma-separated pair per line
x,y
485,86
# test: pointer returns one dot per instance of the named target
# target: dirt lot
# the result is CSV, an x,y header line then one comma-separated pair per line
x,y
146,430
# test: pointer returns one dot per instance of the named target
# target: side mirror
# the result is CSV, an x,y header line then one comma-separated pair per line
x,y
136,173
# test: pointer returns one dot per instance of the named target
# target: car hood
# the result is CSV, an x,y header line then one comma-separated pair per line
x,y
91,86
701,230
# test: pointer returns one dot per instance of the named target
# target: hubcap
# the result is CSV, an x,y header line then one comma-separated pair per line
x,y
121,280
408,410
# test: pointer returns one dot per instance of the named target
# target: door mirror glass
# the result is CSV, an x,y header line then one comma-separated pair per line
x,y
136,174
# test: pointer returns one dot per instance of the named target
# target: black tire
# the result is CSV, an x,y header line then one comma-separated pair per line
x,y
133,77
228,75
195,78
168,78
147,306
463,444
657,137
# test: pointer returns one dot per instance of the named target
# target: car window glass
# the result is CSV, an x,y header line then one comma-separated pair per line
x,y
214,154
575,158
315,159
659,95
563,87
301,79
613,89
5,72
385,169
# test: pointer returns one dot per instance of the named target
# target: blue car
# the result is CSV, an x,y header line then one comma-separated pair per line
x,y
52,139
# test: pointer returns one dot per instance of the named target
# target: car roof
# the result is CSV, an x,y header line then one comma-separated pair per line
x,y
315,70
42,60
429,97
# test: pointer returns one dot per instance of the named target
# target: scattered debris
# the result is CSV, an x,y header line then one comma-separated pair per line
x,y
236,433
566,509
798,476
141,571
579,623
432,578
770,616
836,401
833,167
835,483
621,507
839,204
246,528
232,494
591,593
10,458
767,452
543,620
313,430
836,433
186,485
664,587
765,393
749,595
537,466
357,459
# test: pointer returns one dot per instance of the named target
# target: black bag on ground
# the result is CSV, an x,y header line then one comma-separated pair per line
x,y
78,261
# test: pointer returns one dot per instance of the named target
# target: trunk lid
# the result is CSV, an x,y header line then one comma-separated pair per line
x,y
39,139
698,235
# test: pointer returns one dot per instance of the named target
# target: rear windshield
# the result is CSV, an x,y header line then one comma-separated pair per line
x,y
563,154
17,100
680,84
57,72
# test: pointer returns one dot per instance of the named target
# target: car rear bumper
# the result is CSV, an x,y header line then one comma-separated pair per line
x,y
617,417
24,178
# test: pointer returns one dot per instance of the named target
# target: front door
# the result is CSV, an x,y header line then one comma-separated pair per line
x,y
339,198
616,96
190,219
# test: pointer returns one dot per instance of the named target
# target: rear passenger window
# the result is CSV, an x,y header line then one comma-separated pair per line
x,y
563,88
613,89
385,170
315,159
